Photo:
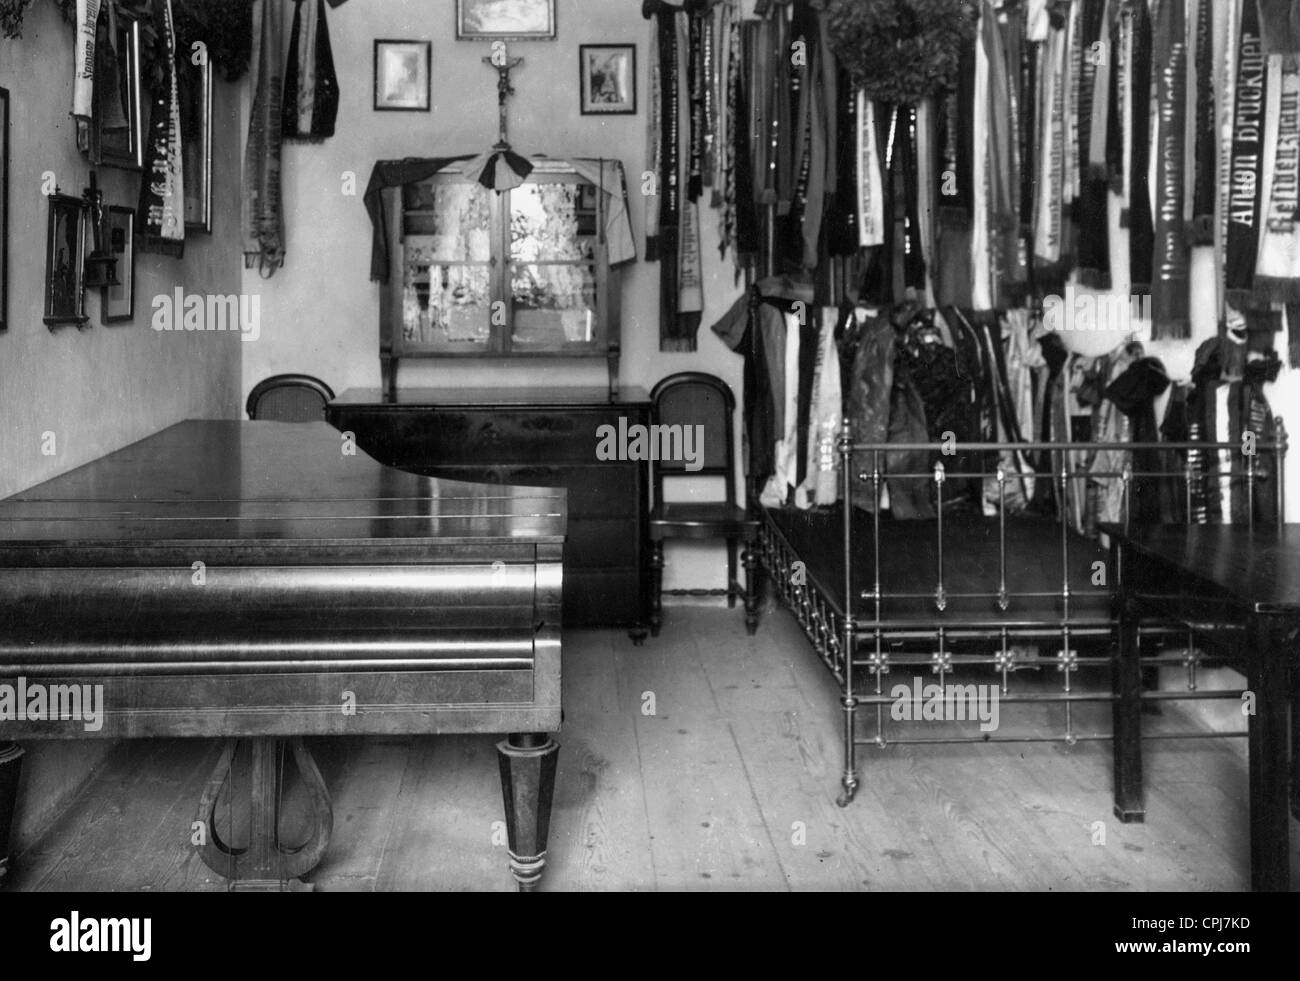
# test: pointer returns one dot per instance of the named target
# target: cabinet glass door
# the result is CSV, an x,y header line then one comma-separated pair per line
x,y
447,268
552,267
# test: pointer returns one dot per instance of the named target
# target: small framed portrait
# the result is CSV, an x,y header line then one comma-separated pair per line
x,y
119,301
607,79
505,20
402,81
65,258
118,130
195,92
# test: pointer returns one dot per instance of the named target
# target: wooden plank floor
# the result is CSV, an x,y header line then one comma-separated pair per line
x,y
729,784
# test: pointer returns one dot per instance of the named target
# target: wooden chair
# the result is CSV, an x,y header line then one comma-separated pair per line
x,y
693,398
289,398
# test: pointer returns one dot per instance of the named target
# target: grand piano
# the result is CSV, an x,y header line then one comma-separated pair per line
x,y
261,582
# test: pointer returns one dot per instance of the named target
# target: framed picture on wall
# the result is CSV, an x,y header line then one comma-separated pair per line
x,y
118,130
4,209
195,85
119,301
607,79
65,261
505,20
402,80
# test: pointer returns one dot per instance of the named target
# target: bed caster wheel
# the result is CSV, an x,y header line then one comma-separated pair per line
x,y
847,794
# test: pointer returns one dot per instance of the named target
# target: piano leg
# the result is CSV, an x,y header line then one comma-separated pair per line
x,y
11,766
528,784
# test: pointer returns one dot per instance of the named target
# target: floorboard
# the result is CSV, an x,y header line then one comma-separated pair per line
x,y
706,759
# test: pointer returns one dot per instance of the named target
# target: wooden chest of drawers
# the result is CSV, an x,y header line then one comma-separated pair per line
x,y
539,437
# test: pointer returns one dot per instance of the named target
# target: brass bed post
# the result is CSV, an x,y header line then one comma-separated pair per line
x,y
1003,599
1065,539
878,660
850,778
940,595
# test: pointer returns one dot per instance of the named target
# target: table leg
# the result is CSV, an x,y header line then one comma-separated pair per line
x,y
528,785
1270,852
1295,744
11,766
752,573
656,586
1126,710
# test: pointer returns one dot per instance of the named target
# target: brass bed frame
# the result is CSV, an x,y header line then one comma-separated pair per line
x,y
854,638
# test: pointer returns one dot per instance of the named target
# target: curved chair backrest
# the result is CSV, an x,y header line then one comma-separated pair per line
x,y
694,398
289,398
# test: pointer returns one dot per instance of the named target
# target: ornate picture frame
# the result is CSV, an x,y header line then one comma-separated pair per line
x,y
118,302
505,20
607,79
65,262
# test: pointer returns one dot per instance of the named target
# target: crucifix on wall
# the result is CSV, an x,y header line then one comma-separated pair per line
x,y
503,64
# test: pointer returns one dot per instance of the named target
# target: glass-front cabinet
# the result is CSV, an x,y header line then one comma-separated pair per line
x,y
521,273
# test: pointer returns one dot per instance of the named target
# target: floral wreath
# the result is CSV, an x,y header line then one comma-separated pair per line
x,y
901,51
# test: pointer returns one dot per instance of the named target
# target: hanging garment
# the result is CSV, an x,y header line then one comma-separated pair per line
x,y
1170,265
1091,213
1105,490
828,410
842,235
162,196
981,249
263,214
1140,229
84,64
755,326
1280,26
1205,143
871,183
1277,270
311,87
1247,165
954,190
874,400
676,152
1134,393
1002,37
786,453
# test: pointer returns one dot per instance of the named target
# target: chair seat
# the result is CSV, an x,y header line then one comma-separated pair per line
x,y
707,520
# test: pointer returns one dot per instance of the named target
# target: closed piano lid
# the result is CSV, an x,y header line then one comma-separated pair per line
x,y
267,483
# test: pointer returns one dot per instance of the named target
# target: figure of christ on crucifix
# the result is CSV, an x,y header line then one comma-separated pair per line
x,y
503,64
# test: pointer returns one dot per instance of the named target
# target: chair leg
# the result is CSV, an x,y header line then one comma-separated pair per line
x,y
752,574
732,580
656,587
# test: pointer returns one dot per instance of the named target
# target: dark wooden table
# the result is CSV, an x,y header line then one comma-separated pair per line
x,y
1218,576
267,581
